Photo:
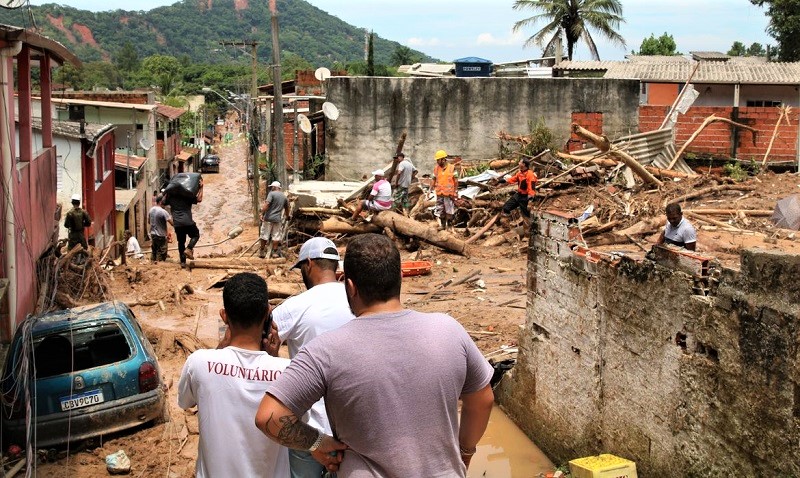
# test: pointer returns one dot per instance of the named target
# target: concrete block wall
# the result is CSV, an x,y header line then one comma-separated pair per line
x,y
716,138
461,115
624,357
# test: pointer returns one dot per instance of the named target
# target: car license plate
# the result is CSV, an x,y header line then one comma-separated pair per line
x,y
82,400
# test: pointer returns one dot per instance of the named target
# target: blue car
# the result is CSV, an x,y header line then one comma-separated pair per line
x,y
88,371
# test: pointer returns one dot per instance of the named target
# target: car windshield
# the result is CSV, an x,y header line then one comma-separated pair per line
x,y
79,349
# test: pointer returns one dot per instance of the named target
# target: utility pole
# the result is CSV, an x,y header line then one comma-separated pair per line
x,y
277,105
253,103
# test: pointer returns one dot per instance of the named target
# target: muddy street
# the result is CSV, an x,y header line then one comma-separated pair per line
x,y
493,311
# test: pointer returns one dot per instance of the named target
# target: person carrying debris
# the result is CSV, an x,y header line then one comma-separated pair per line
x,y
403,175
181,208
376,373
445,184
76,221
227,385
526,183
678,231
299,319
380,198
273,212
159,236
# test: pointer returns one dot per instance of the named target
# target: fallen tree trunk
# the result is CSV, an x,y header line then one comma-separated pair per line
x,y
282,290
409,227
712,189
610,163
785,112
232,263
336,225
603,144
320,210
483,229
732,212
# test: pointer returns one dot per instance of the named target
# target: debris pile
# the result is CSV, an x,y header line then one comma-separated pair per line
x,y
68,280
616,190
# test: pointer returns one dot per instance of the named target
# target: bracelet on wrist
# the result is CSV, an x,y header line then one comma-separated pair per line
x,y
317,443
467,451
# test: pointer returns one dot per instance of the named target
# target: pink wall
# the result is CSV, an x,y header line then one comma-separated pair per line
x,y
32,189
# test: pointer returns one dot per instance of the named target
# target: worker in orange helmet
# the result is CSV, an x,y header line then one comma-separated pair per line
x,y
445,184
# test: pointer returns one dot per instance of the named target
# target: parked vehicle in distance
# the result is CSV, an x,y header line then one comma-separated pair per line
x,y
210,164
250,171
90,371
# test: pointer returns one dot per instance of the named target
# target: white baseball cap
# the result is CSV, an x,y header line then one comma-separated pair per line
x,y
76,197
275,184
317,248
378,172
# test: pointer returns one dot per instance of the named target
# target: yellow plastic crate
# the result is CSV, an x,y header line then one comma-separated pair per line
x,y
602,466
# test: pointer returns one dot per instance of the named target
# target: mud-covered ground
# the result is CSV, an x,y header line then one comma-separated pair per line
x,y
491,309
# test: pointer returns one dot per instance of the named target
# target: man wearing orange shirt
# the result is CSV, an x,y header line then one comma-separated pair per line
x,y
445,184
526,182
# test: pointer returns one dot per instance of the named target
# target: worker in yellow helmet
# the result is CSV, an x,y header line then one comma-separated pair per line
x,y
445,184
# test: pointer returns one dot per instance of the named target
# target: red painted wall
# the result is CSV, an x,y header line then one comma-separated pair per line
x,y
661,93
716,138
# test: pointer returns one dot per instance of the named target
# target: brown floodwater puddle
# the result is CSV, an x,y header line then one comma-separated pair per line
x,y
506,452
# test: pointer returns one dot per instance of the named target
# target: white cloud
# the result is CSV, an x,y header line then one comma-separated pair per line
x,y
420,42
512,39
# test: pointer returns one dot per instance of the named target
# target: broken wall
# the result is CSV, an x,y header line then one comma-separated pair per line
x,y
636,358
460,115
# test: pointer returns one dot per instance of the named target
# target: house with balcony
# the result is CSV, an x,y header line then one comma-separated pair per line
x,y
29,205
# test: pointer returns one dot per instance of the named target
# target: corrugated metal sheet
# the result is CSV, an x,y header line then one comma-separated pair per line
x,y
653,148
677,69
709,72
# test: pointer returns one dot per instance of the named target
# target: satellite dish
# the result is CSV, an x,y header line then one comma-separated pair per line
x,y
321,73
145,145
11,4
304,123
330,111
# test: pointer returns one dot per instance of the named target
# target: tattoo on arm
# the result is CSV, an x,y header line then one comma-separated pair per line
x,y
291,432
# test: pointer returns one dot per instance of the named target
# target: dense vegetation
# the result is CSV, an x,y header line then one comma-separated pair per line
x,y
177,48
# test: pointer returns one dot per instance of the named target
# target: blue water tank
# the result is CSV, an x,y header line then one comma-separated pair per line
x,y
472,66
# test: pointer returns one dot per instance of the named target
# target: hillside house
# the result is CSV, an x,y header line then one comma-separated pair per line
x,y
28,204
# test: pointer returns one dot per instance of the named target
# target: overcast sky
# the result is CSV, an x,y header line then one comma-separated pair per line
x,y
450,29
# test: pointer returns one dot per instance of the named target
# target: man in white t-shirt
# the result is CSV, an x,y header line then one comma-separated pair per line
x,y
132,247
323,307
391,378
227,385
678,231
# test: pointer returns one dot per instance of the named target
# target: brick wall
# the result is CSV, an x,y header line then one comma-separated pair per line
x,y
593,121
716,138
628,357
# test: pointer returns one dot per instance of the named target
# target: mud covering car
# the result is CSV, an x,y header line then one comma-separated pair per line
x,y
86,372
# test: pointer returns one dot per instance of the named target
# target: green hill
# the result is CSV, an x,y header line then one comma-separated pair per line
x,y
192,29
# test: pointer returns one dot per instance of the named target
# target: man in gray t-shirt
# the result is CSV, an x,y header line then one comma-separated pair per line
x,y
275,206
158,218
403,175
391,379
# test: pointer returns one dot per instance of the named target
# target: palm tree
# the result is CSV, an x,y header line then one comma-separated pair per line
x,y
572,20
